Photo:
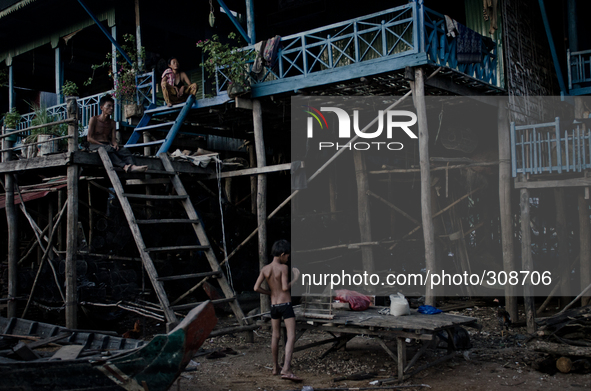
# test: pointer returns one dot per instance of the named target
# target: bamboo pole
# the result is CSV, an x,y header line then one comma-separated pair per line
x,y
585,244
555,289
442,168
394,207
562,234
253,179
72,220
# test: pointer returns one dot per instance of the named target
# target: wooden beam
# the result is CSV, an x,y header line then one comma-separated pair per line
x,y
40,162
571,182
363,211
506,215
253,171
12,223
418,91
446,83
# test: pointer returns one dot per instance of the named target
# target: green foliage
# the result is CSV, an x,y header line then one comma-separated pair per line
x,y
232,59
3,77
42,117
125,87
69,88
12,118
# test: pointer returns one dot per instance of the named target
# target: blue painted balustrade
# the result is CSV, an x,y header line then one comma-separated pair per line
x,y
408,35
547,148
579,72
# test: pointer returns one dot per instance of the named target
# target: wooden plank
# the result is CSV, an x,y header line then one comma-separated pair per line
x,y
146,260
187,276
253,171
68,352
204,240
47,341
49,161
24,352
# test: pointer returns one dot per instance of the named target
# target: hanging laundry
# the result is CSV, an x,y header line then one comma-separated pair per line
x,y
489,12
468,45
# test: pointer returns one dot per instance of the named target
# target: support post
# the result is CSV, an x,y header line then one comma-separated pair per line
x,y
59,73
12,223
11,100
61,200
363,212
257,120
505,207
561,230
418,90
138,36
332,192
250,20
72,220
527,262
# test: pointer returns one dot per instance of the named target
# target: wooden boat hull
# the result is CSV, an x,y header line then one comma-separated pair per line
x,y
153,367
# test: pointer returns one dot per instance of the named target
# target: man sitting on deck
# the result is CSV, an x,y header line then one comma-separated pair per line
x,y
101,134
276,275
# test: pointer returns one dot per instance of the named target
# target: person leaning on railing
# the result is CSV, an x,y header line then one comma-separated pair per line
x,y
101,134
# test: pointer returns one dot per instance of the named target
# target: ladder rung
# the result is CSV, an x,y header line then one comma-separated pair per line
x,y
155,126
167,221
186,276
193,305
165,109
177,248
144,144
155,197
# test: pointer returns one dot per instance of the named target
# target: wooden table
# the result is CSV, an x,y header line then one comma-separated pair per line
x,y
349,324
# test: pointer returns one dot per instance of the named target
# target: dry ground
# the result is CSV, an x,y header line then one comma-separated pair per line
x,y
492,363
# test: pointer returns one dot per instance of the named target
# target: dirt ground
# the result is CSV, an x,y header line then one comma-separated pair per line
x,y
493,363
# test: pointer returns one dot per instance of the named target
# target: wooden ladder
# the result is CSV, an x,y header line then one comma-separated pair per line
x,y
193,219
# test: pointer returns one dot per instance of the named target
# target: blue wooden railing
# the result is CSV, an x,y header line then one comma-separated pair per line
x,y
546,148
579,67
409,32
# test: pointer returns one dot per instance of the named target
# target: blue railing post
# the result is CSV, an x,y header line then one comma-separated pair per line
x,y
558,146
513,152
177,125
420,12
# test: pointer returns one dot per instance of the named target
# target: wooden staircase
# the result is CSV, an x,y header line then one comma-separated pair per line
x,y
146,252
171,127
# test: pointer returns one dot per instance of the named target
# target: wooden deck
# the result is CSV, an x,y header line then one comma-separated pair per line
x,y
349,324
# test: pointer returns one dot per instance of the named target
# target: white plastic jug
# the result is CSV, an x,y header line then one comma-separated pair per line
x,y
399,305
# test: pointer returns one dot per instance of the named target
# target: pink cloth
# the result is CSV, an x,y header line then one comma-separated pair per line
x,y
168,75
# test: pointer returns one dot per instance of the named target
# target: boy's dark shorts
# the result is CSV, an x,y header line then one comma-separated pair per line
x,y
284,310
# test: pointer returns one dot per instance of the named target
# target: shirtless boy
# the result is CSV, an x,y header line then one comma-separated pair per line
x,y
276,275
101,133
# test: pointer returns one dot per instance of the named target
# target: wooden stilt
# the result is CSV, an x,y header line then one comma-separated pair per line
x,y
585,245
12,222
61,201
257,120
391,195
72,221
527,261
363,211
561,230
418,90
332,192
90,217
506,216
401,350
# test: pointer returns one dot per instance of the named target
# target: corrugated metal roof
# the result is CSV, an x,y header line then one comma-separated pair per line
x,y
33,193
10,6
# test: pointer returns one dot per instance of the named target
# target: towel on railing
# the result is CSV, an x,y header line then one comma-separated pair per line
x,y
468,45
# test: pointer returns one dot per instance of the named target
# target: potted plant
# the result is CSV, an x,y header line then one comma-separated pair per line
x,y
231,60
125,89
11,120
69,89
42,117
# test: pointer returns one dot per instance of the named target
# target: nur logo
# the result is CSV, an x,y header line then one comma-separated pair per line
x,y
393,120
